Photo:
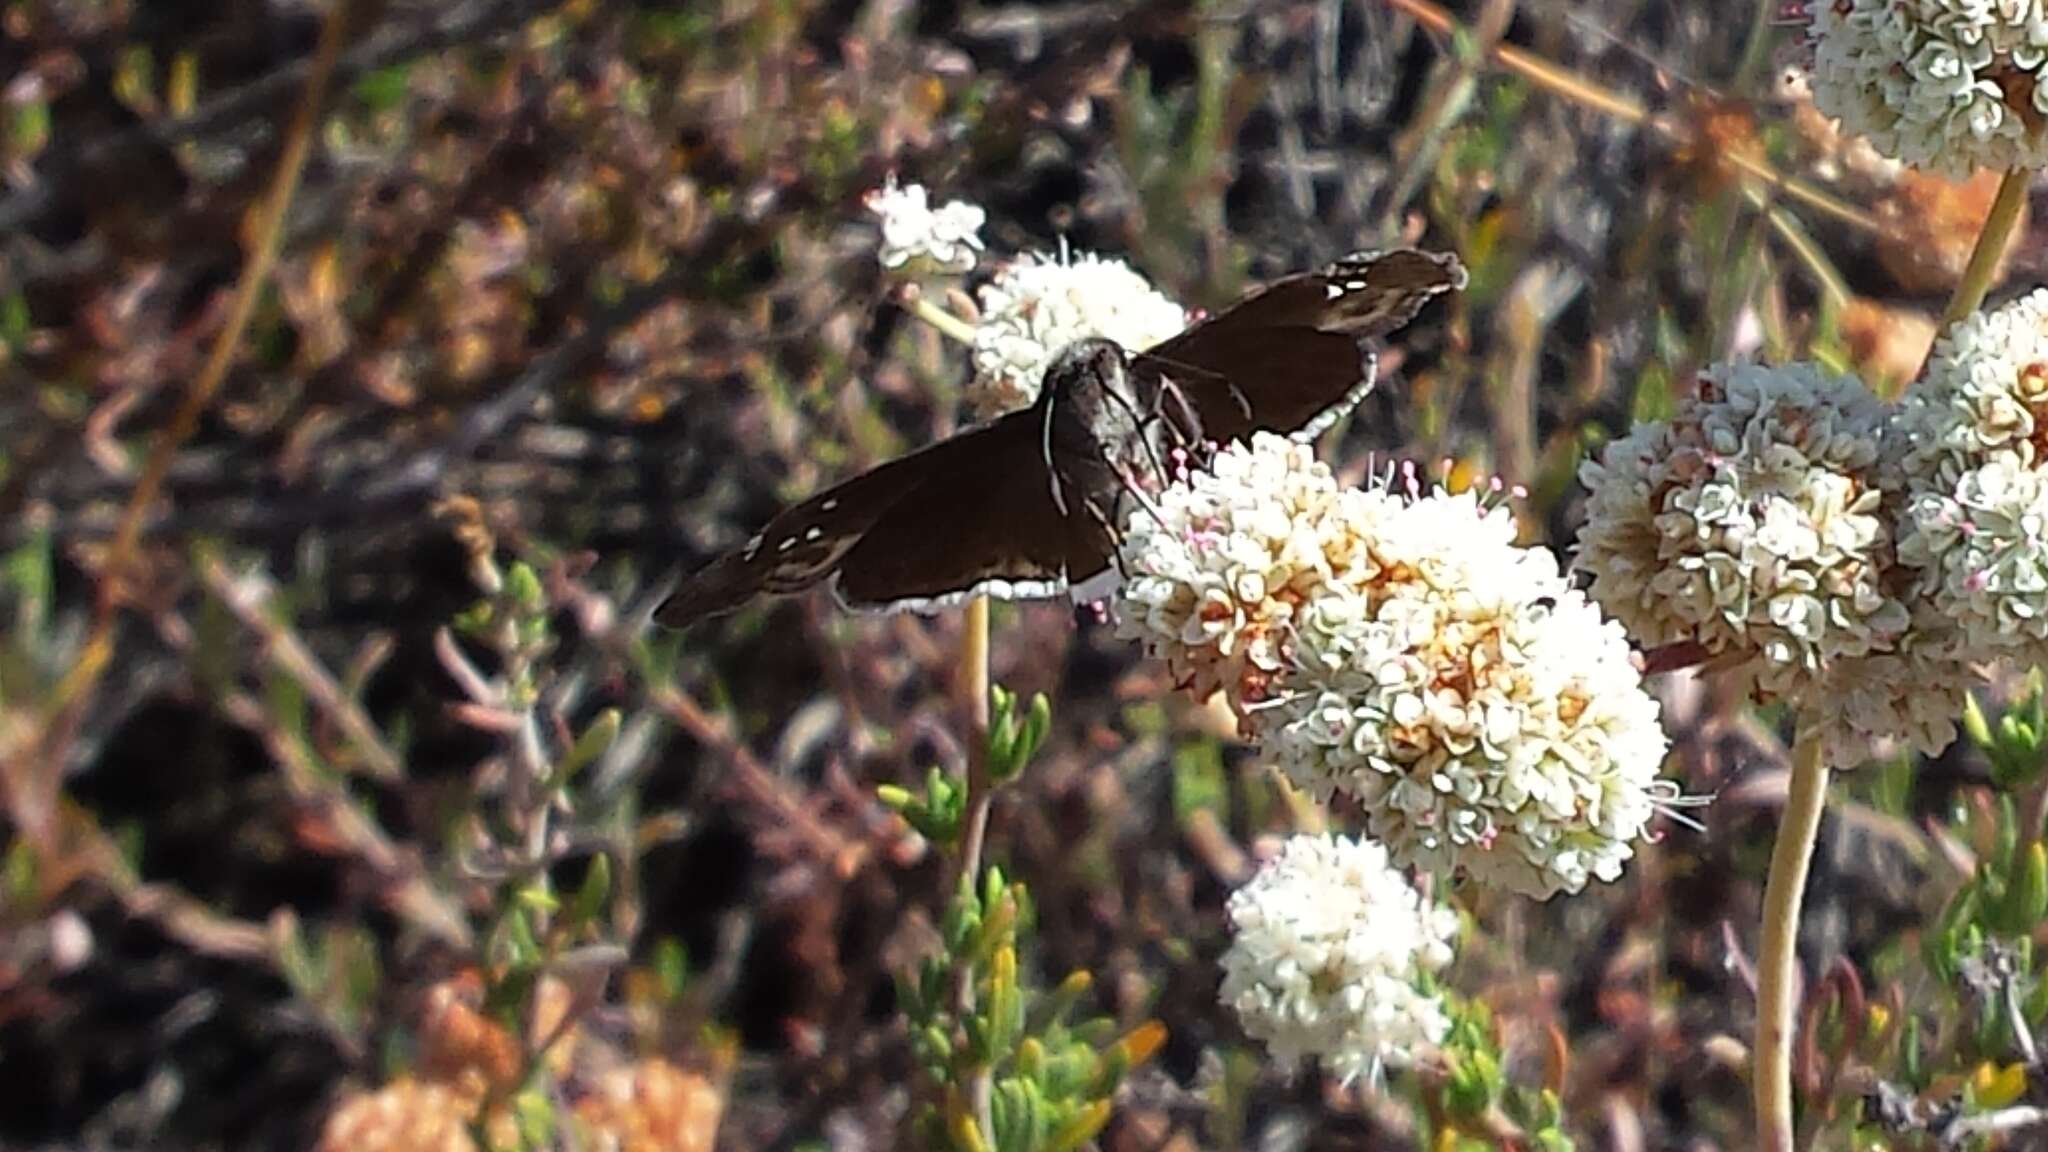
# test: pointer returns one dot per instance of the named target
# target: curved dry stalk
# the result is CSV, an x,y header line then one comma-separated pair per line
x,y
1777,958
1991,242
33,791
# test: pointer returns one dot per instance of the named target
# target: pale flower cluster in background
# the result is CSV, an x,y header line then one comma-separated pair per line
x,y
1864,562
1973,462
1947,86
1750,523
1400,650
1331,956
1037,305
948,237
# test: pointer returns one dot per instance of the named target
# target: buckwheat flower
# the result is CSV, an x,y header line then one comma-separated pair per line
x,y
948,237
1214,580
1969,443
1037,305
1910,697
1332,955
1943,85
1401,650
1750,523
1478,709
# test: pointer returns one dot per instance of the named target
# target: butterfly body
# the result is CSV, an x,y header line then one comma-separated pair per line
x,y
1027,505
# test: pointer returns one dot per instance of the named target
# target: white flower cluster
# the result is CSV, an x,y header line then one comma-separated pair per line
x,y
1972,457
1776,521
1943,85
1038,305
1331,958
1750,522
949,237
1404,652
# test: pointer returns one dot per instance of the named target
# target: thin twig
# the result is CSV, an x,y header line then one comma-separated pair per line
x,y
34,790
248,599
1990,248
465,24
1581,91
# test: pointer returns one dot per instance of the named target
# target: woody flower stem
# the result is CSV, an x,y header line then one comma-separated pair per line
x,y
1778,954
1991,242
973,677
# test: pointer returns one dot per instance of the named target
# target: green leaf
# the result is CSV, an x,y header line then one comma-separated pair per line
x,y
1018,1116
671,964
594,893
523,588
596,741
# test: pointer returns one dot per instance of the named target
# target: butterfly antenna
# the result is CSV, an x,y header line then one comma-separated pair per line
x,y
1059,495
1244,403
1137,492
1138,421
1185,435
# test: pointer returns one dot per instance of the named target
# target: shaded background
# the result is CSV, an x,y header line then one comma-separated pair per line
x,y
604,269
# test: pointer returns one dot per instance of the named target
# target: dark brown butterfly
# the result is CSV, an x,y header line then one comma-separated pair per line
x,y
1028,505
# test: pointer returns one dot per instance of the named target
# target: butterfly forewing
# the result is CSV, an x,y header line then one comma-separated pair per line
x,y
804,544
989,526
1286,358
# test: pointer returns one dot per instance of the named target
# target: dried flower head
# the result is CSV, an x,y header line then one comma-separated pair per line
x,y
1750,523
1970,446
403,1116
652,1106
1037,305
461,1046
948,237
1399,649
1944,85
1331,957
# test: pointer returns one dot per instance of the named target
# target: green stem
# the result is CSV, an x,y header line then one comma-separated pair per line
x,y
1991,243
1778,955
947,323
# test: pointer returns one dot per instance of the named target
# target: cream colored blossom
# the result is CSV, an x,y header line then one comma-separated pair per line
x,y
948,237
1330,955
1401,650
1038,305
1944,85
1968,445
1752,524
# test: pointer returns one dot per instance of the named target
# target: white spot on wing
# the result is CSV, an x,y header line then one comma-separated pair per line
x,y
753,546
829,505
787,543
813,533
1332,291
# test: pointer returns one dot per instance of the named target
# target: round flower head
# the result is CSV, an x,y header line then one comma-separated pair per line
x,y
948,238
1036,306
1911,696
1331,958
1943,85
1215,581
1750,524
1402,651
1971,451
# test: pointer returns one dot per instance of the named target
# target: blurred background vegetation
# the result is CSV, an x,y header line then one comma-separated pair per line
x,y
366,721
